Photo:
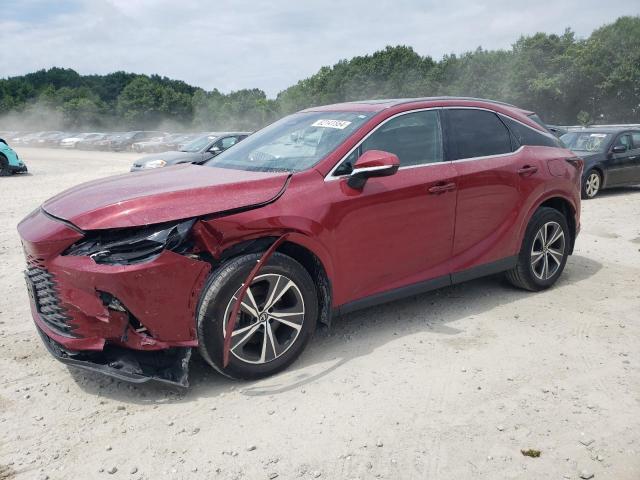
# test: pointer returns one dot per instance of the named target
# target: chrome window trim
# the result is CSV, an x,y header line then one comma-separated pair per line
x,y
371,169
490,156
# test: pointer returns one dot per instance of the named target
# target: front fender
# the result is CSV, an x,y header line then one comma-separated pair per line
x,y
11,155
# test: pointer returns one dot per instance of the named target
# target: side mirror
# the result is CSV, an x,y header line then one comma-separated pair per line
x,y
619,149
372,163
215,150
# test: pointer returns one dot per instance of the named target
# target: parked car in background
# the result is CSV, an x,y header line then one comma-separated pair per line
x,y
179,140
125,140
10,163
31,139
104,143
52,139
72,142
557,130
154,144
611,157
197,151
327,210
90,142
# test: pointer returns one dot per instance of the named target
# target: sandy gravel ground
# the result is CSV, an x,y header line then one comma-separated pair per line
x,y
447,385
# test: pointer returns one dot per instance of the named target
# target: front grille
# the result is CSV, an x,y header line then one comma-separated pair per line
x,y
43,291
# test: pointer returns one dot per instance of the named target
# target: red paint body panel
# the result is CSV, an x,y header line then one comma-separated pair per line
x,y
392,233
161,294
162,194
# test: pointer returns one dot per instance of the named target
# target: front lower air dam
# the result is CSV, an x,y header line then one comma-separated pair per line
x,y
134,322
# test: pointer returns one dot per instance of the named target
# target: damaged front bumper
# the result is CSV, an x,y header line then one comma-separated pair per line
x,y
170,366
132,322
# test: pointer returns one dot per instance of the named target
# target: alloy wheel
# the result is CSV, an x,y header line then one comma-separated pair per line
x,y
269,321
592,184
547,251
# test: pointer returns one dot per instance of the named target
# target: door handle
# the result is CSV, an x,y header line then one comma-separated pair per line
x,y
442,187
527,170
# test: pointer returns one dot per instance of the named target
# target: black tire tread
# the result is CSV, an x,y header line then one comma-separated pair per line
x,y
217,280
5,171
519,276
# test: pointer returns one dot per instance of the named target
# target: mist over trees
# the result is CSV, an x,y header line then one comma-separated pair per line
x,y
564,79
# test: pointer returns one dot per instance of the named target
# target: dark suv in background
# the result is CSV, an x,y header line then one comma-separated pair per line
x,y
611,157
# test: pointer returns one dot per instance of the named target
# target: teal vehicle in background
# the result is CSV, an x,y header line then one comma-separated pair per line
x,y
10,163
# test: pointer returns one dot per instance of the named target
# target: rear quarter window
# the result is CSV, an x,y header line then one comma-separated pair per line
x,y
525,135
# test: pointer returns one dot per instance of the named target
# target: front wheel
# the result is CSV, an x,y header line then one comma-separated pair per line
x,y
544,251
276,319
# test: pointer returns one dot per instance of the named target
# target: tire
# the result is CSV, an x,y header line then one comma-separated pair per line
x,y
5,171
255,355
529,273
592,184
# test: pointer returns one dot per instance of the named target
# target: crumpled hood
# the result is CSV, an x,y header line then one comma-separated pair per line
x,y
162,195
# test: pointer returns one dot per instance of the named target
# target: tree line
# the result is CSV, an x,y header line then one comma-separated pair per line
x,y
566,80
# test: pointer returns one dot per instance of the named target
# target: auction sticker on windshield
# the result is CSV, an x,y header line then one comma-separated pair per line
x,y
339,124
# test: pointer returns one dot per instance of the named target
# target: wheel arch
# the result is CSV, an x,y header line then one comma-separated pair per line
x,y
312,256
564,206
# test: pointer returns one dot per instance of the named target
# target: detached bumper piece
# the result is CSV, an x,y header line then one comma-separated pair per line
x,y
170,366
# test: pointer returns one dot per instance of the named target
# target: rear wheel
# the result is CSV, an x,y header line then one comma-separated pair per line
x,y
5,170
277,316
592,184
544,251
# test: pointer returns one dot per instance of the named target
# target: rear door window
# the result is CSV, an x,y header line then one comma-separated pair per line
x,y
476,133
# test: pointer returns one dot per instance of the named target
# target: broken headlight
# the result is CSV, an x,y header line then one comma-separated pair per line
x,y
127,246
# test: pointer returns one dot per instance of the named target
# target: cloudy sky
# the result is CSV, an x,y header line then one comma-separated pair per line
x,y
230,45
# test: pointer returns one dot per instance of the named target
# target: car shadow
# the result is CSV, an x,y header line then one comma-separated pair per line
x,y
350,337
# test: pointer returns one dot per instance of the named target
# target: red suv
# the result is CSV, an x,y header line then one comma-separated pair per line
x,y
323,212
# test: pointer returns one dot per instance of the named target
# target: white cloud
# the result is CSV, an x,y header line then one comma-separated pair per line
x,y
270,45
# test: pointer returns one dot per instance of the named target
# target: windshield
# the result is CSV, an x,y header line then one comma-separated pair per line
x,y
586,141
293,143
198,144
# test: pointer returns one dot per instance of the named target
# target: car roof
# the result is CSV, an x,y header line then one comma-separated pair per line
x,y
382,104
603,129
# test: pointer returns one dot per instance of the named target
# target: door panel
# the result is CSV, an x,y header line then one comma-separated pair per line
x,y
488,208
489,186
393,232
636,157
621,167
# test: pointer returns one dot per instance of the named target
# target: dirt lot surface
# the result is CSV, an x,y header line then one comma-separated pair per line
x,y
447,385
